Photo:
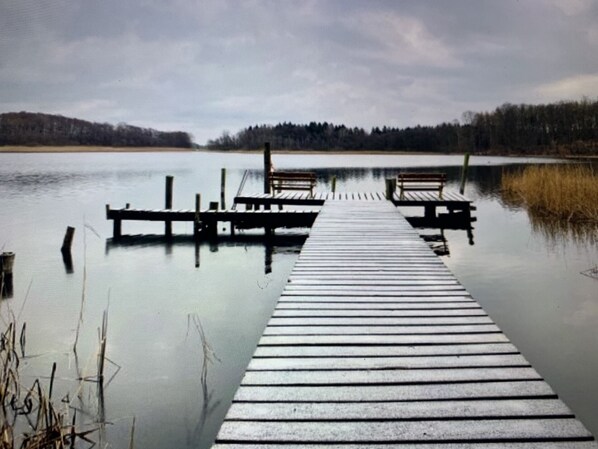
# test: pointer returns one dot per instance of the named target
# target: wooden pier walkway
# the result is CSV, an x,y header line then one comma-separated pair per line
x,y
374,343
449,199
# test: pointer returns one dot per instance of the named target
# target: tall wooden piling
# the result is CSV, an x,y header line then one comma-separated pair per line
x,y
223,188
464,173
267,167
333,184
168,204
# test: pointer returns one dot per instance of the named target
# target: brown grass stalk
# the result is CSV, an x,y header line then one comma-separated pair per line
x,y
563,192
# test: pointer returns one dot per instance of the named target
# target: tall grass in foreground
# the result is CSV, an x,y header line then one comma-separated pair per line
x,y
563,192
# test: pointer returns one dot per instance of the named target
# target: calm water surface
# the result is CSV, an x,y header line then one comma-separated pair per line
x,y
529,281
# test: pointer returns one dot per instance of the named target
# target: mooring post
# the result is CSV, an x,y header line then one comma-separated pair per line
x,y
464,173
333,182
197,221
222,188
168,205
7,260
391,186
267,167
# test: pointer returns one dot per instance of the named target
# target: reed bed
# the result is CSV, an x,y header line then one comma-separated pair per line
x,y
568,193
29,417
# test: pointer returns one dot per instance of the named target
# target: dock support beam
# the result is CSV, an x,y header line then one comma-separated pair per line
x,y
168,205
430,212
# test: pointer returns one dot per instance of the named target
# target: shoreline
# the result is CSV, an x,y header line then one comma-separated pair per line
x,y
88,149
16,149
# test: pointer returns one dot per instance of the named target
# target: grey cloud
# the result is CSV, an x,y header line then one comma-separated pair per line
x,y
208,65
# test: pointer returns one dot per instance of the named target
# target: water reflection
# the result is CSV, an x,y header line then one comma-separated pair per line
x,y
6,286
274,244
554,230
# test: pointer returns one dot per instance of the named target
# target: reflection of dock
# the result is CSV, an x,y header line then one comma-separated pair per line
x,y
374,343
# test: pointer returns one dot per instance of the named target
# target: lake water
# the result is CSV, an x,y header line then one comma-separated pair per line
x,y
528,279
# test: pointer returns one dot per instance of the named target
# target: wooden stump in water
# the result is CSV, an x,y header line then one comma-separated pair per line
x,y
68,239
7,260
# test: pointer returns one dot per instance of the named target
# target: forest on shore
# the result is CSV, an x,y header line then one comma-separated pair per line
x,y
28,128
564,128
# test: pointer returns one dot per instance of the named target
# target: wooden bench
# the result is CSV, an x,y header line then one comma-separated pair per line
x,y
282,180
421,181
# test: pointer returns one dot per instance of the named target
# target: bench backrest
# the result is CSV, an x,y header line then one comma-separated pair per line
x,y
422,177
292,175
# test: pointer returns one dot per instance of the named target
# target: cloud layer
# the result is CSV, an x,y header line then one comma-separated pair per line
x,y
205,66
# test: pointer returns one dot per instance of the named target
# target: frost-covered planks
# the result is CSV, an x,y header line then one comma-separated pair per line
x,y
374,343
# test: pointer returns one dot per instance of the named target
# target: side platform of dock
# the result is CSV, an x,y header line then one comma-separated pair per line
x,y
375,343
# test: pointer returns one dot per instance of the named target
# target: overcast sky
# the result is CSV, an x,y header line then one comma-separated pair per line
x,y
206,66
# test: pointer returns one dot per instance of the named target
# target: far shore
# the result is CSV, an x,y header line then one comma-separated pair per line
x,y
102,149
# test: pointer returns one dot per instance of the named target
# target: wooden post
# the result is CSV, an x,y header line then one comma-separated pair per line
x,y
7,260
222,188
464,173
197,221
267,167
391,186
168,205
334,184
68,239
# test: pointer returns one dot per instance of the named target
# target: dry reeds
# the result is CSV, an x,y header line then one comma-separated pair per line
x,y
564,192
29,417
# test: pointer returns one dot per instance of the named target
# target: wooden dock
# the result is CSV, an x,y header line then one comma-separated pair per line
x,y
449,199
208,219
374,343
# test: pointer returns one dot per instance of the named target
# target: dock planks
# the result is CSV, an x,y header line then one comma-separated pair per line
x,y
374,343
452,199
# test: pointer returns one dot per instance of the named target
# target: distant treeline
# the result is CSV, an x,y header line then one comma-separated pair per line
x,y
26,128
565,128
